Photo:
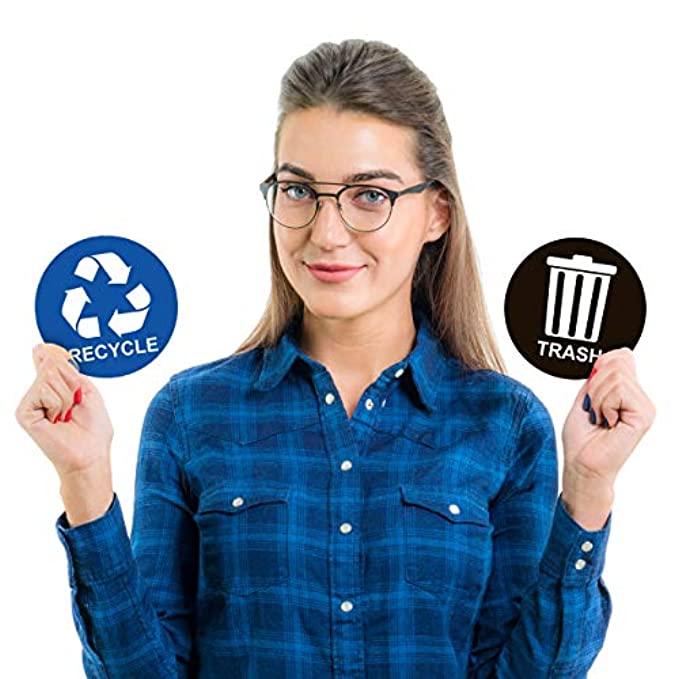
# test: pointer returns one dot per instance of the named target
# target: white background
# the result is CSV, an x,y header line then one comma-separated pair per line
x,y
155,122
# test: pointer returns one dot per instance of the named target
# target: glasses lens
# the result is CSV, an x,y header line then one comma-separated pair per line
x,y
291,204
364,208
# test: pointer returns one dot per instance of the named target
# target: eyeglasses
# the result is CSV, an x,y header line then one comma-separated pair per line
x,y
362,207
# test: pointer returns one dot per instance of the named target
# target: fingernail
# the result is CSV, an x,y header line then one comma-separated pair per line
x,y
592,416
78,396
586,403
67,416
56,419
605,421
594,370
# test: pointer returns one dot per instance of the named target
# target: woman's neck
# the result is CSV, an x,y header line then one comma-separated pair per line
x,y
356,350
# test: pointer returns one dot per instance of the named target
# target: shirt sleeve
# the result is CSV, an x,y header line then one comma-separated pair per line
x,y
546,608
133,598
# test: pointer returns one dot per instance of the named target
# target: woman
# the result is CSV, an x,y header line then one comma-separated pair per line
x,y
359,490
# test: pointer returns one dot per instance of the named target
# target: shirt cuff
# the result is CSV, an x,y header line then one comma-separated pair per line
x,y
573,554
97,550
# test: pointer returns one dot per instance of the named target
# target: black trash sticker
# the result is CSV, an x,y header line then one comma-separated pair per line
x,y
570,301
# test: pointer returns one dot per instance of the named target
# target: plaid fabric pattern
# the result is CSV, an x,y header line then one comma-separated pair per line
x,y
272,536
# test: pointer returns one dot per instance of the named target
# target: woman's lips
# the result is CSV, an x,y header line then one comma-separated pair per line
x,y
334,276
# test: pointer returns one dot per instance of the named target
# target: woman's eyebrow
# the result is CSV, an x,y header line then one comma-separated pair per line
x,y
350,178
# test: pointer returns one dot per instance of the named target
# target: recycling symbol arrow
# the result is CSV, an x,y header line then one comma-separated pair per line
x,y
122,323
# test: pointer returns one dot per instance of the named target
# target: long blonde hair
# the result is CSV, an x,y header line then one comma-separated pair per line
x,y
369,76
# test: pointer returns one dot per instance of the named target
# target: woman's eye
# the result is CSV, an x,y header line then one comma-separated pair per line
x,y
295,191
372,197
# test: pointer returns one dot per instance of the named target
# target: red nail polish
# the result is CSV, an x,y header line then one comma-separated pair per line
x,y
67,416
57,418
592,374
78,396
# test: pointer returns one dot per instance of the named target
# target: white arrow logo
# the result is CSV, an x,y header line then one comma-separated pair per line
x,y
121,323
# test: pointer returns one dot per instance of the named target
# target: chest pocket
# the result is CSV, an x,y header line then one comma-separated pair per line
x,y
448,540
244,542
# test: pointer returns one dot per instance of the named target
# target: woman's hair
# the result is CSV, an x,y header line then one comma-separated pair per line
x,y
371,77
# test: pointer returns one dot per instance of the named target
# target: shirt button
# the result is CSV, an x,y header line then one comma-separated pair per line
x,y
399,372
346,606
453,509
384,402
369,404
580,564
346,465
237,501
586,546
329,398
345,528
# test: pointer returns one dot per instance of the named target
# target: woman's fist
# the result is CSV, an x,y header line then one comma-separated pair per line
x,y
64,413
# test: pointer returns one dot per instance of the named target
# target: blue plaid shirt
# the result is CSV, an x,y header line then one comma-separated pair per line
x,y
273,536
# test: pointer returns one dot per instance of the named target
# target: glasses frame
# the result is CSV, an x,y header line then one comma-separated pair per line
x,y
271,180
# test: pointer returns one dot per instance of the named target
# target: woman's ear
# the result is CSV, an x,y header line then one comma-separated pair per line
x,y
439,215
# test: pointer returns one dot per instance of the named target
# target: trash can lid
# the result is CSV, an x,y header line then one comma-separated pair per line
x,y
583,263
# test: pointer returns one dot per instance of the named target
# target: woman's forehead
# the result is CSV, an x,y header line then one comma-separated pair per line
x,y
335,148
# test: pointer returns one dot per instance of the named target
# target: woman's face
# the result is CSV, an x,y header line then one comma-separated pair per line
x,y
329,146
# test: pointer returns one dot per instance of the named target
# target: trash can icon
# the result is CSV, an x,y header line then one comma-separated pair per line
x,y
578,288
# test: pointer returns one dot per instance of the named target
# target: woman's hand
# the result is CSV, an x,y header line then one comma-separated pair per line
x,y
594,453
75,444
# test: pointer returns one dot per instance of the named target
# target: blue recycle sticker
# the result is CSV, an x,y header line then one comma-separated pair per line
x,y
110,302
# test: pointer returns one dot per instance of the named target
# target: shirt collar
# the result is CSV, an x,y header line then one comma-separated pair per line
x,y
426,359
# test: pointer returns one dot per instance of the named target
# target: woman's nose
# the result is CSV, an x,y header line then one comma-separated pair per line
x,y
328,217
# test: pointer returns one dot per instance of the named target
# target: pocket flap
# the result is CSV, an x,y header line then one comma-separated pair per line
x,y
232,498
458,506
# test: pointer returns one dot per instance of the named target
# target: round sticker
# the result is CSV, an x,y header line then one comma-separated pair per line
x,y
110,302
570,301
